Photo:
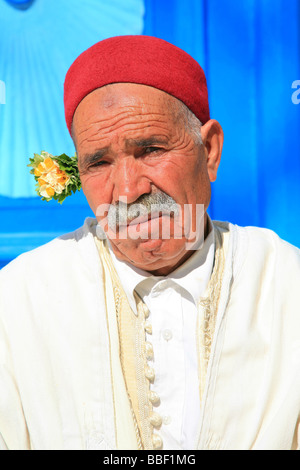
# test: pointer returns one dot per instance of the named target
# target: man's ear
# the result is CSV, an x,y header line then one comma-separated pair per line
x,y
212,138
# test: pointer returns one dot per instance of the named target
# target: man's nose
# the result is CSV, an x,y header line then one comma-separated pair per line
x,y
129,180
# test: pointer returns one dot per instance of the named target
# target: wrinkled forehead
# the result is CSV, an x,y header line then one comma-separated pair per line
x,y
122,100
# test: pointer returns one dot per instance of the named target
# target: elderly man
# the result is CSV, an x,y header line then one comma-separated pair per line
x,y
169,331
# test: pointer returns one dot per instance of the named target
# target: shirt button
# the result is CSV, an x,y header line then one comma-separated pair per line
x,y
167,334
167,419
149,351
149,373
157,441
154,398
155,419
148,328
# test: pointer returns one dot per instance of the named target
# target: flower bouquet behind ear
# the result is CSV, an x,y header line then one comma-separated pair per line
x,y
57,176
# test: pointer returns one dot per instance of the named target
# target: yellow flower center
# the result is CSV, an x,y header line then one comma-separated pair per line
x,y
50,191
51,179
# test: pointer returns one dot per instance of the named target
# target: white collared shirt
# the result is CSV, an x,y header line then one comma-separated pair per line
x,y
172,301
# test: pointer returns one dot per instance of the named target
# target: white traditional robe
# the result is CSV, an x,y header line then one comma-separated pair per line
x,y
172,301
58,370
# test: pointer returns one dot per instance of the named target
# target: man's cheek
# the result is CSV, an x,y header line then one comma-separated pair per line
x,y
91,192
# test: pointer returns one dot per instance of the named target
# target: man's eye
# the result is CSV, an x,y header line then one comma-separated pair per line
x,y
152,149
97,164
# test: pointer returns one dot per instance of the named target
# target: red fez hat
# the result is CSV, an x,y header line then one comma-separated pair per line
x,y
143,60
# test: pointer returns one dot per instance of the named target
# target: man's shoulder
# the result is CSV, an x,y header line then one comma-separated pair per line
x,y
266,240
51,256
257,249
256,237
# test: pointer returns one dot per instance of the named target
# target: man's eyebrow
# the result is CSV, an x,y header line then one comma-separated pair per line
x,y
90,158
147,141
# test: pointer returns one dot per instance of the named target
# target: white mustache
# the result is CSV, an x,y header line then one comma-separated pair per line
x,y
147,204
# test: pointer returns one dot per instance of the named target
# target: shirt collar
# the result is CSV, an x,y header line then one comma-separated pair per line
x,y
193,275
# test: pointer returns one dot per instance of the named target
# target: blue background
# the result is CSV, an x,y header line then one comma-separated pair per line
x,y
250,53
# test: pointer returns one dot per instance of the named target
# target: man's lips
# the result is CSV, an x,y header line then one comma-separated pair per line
x,y
142,219
154,225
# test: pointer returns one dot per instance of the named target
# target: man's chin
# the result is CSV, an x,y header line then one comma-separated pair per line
x,y
152,245
156,256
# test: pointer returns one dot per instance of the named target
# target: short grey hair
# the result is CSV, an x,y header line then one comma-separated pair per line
x,y
190,121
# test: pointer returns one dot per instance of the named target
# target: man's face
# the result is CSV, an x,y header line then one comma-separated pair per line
x,y
131,144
